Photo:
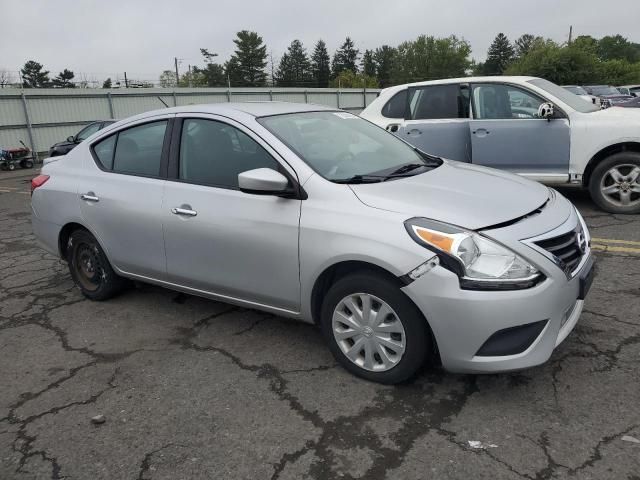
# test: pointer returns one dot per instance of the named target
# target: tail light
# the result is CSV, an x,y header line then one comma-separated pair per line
x,y
38,182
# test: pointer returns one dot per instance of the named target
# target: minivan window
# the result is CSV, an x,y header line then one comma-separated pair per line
x,y
339,145
139,149
395,107
438,102
214,153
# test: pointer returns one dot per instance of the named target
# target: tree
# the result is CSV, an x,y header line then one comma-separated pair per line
x,y
499,56
345,58
320,68
168,79
587,43
349,79
6,78
64,79
294,69
212,75
430,58
368,64
383,58
246,66
33,76
107,83
525,43
618,48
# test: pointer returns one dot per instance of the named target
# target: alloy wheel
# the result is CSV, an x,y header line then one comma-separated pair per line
x,y
620,185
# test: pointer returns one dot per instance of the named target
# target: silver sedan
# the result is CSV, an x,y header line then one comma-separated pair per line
x,y
316,214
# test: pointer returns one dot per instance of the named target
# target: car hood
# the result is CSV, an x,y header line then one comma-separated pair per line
x,y
458,193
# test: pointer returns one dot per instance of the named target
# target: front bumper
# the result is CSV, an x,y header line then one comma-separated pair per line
x,y
463,320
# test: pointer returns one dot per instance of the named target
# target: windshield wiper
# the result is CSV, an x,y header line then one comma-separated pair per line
x,y
360,179
405,169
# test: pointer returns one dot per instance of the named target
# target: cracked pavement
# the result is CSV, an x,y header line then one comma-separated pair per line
x,y
192,388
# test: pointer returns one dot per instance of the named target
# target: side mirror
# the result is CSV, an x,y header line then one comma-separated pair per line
x,y
545,111
262,181
71,139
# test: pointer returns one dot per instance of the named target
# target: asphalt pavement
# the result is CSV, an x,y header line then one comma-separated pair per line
x,y
184,387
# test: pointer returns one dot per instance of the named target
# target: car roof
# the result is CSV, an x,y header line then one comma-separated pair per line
x,y
254,109
486,79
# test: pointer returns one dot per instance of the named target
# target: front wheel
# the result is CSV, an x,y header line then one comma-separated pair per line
x,y
90,268
615,183
373,329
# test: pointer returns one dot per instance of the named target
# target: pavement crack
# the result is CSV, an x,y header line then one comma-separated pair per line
x,y
146,461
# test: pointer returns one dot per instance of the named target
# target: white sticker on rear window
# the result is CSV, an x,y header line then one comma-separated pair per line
x,y
345,115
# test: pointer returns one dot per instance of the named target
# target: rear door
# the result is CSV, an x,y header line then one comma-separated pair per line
x,y
120,195
437,120
506,133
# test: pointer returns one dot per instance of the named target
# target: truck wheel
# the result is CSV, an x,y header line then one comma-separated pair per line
x,y
615,183
12,166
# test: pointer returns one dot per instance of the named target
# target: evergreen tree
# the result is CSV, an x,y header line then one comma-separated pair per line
x,y
246,66
383,58
107,83
64,79
33,76
525,43
320,65
368,64
345,58
212,75
294,69
499,56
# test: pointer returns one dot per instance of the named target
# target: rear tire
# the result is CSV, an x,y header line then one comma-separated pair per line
x,y
392,348
615,183
90,268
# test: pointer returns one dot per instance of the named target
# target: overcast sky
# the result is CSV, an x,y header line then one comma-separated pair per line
x,y
105,38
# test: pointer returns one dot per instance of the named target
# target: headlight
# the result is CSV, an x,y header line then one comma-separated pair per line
x,y
481,263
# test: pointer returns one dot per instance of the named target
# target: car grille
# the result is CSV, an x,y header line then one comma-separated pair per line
x,y
567,249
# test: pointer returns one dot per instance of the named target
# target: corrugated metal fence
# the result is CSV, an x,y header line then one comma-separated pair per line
x,y
42,117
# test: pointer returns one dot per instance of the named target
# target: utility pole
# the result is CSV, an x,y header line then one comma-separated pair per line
x,y
190,85
126,83
570,33
175,61
273,78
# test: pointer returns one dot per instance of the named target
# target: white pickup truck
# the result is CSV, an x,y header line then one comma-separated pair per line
x,y
525,125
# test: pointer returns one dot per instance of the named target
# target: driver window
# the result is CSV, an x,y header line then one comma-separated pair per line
x,y
497,101
214,153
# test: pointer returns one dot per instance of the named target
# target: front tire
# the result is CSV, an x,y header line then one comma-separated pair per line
x,y
615,183
373,329
90,268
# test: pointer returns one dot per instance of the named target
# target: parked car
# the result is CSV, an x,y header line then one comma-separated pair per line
x,y
633,90
319,215
633,103
552,136
609,96
582,93
62,148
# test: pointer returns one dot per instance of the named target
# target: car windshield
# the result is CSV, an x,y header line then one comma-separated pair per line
x,y
574,101
345,148
605,91
576,90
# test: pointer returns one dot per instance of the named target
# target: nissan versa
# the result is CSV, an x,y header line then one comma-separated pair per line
x,y
317,214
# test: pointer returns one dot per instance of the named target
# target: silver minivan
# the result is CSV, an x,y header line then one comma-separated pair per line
x,y
316,214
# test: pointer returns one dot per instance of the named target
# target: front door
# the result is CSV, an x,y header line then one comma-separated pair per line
x,y
437,121
506,133
219,239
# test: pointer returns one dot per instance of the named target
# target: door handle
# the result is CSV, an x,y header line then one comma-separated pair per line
x,y
481,132
414,131
89,197
184,211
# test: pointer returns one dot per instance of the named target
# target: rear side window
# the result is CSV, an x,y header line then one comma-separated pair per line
x,y
214,153
136,151
439,102
395,107
104,151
